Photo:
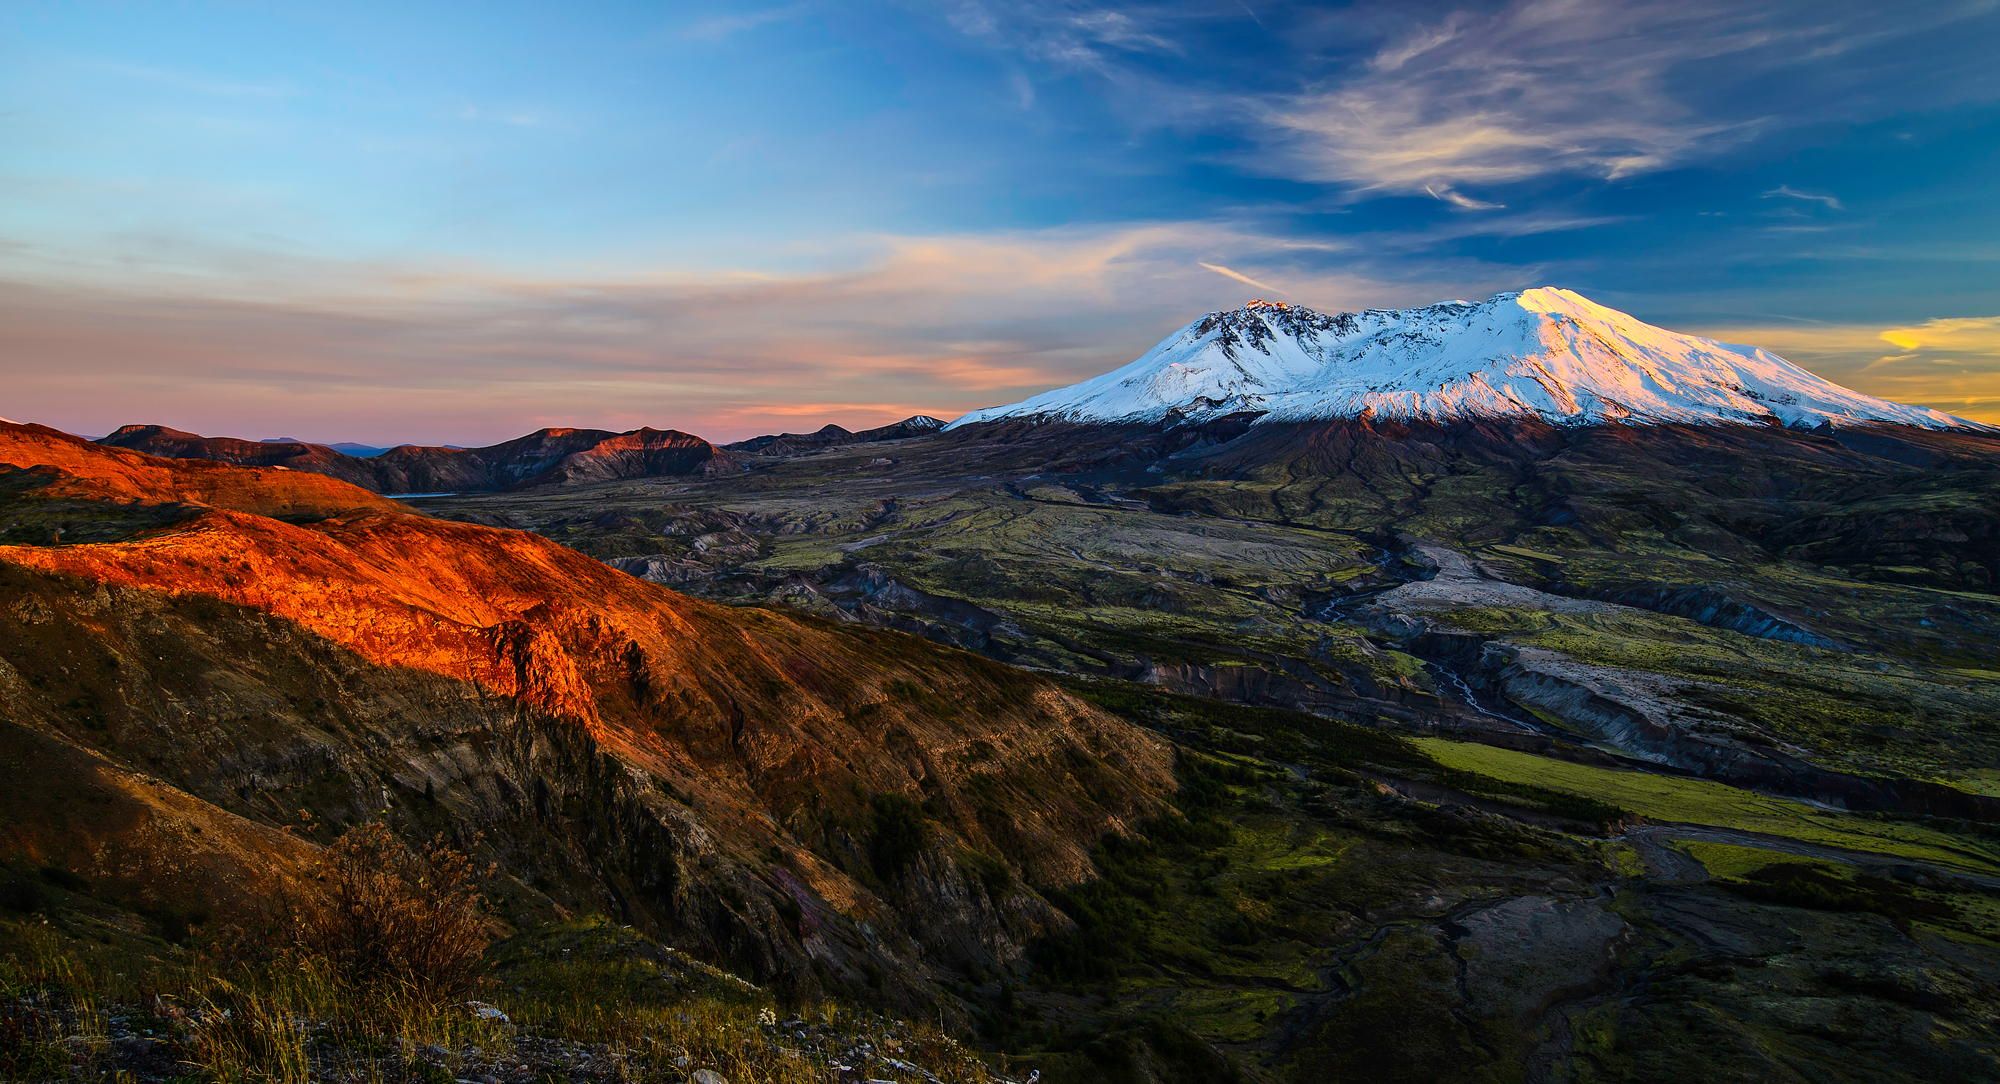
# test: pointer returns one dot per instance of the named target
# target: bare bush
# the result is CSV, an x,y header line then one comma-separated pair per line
x,y
394,920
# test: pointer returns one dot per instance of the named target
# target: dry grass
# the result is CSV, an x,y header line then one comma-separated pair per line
x,y
51,1024
374,979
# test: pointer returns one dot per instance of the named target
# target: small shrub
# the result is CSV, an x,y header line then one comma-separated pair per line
x,y
392,919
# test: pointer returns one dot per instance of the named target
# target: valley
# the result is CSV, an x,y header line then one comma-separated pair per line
x,y
1216,747
1569,595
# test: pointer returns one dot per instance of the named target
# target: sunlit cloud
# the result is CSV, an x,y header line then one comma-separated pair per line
x,y
1459,199
1231,273
1979,335
1529,90
1458,104
1952,364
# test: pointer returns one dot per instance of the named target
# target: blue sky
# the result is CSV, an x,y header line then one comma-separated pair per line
x,y
408,221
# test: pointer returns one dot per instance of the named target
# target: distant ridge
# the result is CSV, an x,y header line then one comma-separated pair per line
x,y
344,447
555,456
831,436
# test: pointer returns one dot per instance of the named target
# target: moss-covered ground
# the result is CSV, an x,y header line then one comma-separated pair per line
x,y
1684,800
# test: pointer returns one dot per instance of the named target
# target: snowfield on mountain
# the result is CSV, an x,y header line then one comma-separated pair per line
x,y
1547,352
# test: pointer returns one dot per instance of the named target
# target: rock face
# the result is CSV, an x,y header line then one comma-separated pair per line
x,y
728,777
1545,354
557,456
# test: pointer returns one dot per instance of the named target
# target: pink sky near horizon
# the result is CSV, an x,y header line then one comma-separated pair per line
x,y
931,325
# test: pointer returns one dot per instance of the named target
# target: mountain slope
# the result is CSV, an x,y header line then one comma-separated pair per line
x,y
721,775
1545,353
554,456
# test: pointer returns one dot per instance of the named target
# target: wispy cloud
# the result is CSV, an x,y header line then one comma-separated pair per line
x,y
1231,273
1541,87
1022,88
1458,199
1084,38
1785,191
1461,104
720,27
512,118
194,82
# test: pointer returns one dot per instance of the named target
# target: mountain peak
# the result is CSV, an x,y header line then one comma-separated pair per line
x,y
1546,352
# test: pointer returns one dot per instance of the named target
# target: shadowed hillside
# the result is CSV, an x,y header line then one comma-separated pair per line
x,y
727,774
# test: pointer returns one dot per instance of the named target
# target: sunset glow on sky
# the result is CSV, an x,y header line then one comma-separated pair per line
x,y
449,224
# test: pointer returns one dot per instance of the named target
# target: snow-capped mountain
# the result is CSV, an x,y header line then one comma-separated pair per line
x,y
1547,353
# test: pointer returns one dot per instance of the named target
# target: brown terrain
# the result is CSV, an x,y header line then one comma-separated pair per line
x,y
821,806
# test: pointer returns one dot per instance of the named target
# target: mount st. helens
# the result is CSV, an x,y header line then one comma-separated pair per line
x,y
1546,353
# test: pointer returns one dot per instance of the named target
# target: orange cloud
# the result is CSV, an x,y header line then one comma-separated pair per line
x,y
1952,364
